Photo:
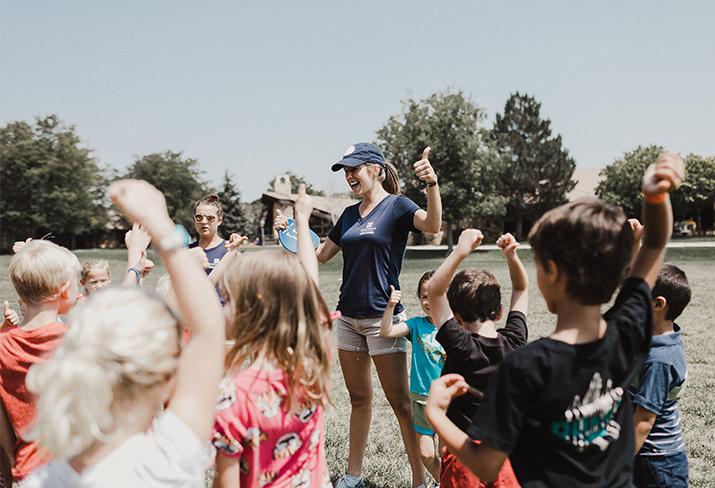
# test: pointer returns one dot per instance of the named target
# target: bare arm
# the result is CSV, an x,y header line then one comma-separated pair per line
x,y
327,251
482,460
306,253
643,421
469,240
201,363
431,219
517,274
227,473
387,327
665,176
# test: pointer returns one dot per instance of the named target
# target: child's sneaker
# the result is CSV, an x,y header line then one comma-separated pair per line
x,y
350,481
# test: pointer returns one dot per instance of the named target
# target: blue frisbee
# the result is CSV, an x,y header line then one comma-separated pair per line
x,y
288,238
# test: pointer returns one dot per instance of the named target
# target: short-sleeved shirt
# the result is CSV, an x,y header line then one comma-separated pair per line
x,y
657,389
427,354
474,357
373,249
169,455
20,349
213,254
560,410
274,446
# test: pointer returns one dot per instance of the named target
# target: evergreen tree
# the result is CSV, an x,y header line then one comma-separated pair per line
x,y
233,215
537,172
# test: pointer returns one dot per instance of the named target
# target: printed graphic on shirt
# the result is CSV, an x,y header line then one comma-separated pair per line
x,y
226,394
301,480
314,438
269,403
286,446
254,437
225,444
432,348
307,409
266,478
369,229
589,421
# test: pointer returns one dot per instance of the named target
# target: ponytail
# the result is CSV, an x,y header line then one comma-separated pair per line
x,y
390,179
120,345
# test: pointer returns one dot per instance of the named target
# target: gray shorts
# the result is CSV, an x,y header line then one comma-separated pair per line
x,y
363,335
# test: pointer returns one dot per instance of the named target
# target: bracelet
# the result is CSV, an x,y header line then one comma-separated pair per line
x,y
430,185
137,272
656,199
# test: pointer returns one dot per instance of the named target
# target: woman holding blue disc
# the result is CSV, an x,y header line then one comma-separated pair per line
x,y
372,235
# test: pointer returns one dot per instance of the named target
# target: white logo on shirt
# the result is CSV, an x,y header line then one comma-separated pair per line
x,y
369,229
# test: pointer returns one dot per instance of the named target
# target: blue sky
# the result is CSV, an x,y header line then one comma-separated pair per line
x,y
261,87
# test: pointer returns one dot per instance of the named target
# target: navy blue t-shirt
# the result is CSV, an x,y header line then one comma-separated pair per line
x,y
214,254
373,248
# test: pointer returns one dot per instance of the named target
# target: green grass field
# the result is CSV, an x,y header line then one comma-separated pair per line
x,y
385,462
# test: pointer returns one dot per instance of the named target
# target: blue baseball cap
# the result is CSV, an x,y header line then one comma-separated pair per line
x,y
360,153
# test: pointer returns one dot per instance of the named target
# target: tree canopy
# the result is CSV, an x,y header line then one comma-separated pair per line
x,y
49,182
537,171
465,164
233,212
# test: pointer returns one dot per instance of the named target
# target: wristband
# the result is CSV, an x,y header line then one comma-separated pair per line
x,y
177,239
430,185
656,199
137,272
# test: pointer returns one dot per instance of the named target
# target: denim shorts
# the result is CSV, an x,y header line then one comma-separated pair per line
x,y
661,471
363,335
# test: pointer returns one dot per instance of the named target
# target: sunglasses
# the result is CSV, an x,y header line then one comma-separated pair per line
x,y
200,218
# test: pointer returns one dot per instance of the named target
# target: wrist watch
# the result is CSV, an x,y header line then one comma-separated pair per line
x,y
177,239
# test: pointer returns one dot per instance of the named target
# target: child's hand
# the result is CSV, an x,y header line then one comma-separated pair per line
x,y
10,316
200,257
140,202
665,175
469,240
303,205
508,245
444,390
235,241
137,238
395,297
638,230
423,168
19,245
148,267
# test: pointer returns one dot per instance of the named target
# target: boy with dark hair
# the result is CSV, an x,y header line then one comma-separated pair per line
x,y
556,407
465,312
660,452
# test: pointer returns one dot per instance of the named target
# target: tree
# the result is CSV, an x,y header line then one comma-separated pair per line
x,y
179,178
696,197
451,124
622,180
233,212
295,181
538,170
49,182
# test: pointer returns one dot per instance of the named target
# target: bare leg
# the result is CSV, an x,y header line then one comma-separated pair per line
x,y
392,371
356,371
428,455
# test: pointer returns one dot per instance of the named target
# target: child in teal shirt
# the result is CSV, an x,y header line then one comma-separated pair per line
x,y
427,361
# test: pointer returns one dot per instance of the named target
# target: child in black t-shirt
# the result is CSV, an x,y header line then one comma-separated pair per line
x,y
465,312
556,407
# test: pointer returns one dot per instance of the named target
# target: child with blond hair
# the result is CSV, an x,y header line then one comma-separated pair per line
x,y
121,361
44,276
269,428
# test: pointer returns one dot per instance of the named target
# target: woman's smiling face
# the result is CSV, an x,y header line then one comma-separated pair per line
x,y
361,179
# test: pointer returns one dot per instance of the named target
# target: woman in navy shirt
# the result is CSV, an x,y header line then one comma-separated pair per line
x,y
372,236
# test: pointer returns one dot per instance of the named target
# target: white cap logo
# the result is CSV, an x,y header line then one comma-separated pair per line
x,y
349,151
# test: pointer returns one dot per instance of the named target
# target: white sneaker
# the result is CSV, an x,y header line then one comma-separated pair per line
x,y
350,481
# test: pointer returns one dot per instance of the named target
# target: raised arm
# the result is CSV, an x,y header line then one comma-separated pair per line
x,y
469,240
387,327
431,219
517,274
137,240
201,363
662,177
306,253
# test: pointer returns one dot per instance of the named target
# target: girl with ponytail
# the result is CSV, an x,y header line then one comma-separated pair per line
x,y
372,235
121,361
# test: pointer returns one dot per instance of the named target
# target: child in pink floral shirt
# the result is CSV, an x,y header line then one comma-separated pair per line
x,y
269,427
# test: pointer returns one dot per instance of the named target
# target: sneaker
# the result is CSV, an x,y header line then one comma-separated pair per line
x,y
350,481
